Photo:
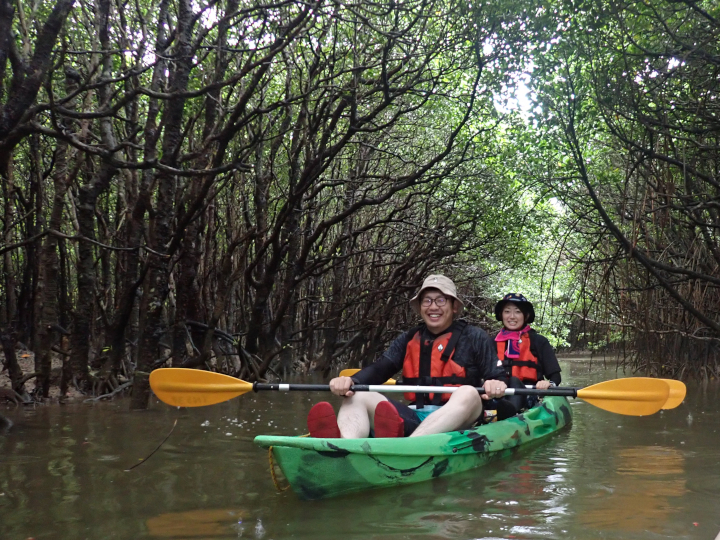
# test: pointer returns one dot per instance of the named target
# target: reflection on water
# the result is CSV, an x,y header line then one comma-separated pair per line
x,y
642,493
647,461
197,523
62,477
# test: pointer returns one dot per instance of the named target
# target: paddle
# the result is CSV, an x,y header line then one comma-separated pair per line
x,y
194,388
351,372
677,388
677,393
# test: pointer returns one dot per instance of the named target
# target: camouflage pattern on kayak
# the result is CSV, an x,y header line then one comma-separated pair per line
x,y
319,468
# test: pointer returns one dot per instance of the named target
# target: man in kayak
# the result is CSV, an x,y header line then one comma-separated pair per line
x,y
441,352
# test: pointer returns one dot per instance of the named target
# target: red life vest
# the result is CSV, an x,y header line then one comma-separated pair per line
x,y
429,363
526,367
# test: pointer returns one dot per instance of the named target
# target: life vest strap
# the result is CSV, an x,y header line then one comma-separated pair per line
x,y
424,368
457,328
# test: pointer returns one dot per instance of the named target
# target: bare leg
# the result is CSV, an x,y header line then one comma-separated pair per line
x,y
357,413
460,412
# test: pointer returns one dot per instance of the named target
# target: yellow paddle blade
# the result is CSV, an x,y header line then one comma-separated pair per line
x,y
194,388
677,393
351,372
635,396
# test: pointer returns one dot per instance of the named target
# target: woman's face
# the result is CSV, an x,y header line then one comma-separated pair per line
x,y
512,317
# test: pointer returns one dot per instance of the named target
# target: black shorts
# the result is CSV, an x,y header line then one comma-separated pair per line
x,y
411,420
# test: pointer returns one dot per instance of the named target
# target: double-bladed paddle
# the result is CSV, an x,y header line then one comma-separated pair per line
x,y
183,387
351,372
677,388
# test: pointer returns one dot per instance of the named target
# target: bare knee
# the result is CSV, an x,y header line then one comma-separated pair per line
x,y
357,414
468,398
366,400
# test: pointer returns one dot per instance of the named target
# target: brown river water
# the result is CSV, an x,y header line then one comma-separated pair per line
x,y
63,476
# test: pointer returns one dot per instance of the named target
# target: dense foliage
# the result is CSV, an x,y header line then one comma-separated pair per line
x,y
632,92
258,187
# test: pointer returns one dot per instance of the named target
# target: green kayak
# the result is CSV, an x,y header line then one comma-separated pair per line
x,y
319,468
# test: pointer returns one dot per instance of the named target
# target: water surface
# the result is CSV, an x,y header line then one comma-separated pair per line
x,y
63,476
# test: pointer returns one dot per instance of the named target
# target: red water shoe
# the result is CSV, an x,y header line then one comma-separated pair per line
x,y
387,421
322,422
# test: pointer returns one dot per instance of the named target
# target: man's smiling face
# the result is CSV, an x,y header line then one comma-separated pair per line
x,y
438,318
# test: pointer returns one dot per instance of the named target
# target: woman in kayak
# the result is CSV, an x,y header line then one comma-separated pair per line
x,y
525,355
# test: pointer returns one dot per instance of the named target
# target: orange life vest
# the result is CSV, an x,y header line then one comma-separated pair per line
x,y
526,367
430,363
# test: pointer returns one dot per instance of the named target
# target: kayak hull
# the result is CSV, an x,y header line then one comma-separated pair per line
x,y
320,468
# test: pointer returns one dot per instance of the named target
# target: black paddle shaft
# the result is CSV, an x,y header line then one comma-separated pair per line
x,y
282,387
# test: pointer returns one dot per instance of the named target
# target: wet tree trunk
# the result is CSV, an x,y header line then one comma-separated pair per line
x,y
132,275
11,363
33,206
80,342
336,301
29,70
187,293
10,308
256,277
47,290
153,326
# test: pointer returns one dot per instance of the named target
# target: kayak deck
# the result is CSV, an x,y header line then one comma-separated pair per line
x,y
319,468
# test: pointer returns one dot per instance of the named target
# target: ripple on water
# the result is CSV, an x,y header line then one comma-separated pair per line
x,y
442,524
18,459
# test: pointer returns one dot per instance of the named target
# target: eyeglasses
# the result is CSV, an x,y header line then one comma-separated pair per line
x,y
440,301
